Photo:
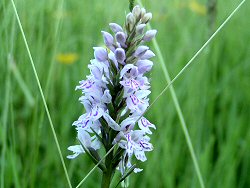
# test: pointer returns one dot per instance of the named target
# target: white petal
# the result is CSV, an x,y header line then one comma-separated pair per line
x,y
96,144
144,125
106,98
136,170
84,137
125,69
140,155
77,149
142,93
111,122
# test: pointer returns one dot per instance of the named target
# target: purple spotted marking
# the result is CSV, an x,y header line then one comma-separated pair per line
x,y
85,124
96,113
86,84
134,99
134,84
144,145
131,83
145,122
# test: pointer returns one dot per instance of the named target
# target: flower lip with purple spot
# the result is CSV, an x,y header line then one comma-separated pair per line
x,y
134,100
85,124
145,122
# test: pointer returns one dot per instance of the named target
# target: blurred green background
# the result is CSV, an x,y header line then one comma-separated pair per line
x,y
214,93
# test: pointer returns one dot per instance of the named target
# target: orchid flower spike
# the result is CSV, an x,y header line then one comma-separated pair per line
x,y
115,98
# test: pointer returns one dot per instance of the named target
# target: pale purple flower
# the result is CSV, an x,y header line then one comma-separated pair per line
x,y
135,142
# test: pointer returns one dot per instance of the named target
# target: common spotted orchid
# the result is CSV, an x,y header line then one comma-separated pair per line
x,y
115,97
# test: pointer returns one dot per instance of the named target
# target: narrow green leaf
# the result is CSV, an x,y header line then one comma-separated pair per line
x,y
130,170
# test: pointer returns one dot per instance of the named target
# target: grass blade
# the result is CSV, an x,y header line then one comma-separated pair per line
x,y
4,127
41,92
178,109
170,82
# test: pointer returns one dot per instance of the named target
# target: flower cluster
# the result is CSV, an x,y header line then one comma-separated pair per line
x,y
115,95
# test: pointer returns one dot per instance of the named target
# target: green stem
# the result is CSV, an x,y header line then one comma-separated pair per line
x,y
106,179
131,4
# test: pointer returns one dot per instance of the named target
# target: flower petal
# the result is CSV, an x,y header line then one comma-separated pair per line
x,y
111,122
140,155
101,54
144,66
108,38
115,27
77,150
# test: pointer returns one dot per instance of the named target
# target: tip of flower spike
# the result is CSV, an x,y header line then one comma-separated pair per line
x,y
143,12
130,21
137,12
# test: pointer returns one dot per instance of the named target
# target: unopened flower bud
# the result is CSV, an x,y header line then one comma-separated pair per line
x,y
108,38
140,28
137,12
115,27
100,54
121,38
149,35
143,12
146,18
140,51
130,20
149,54
144,66
120,55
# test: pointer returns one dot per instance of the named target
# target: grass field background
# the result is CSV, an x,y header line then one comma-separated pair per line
x,y
214,93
